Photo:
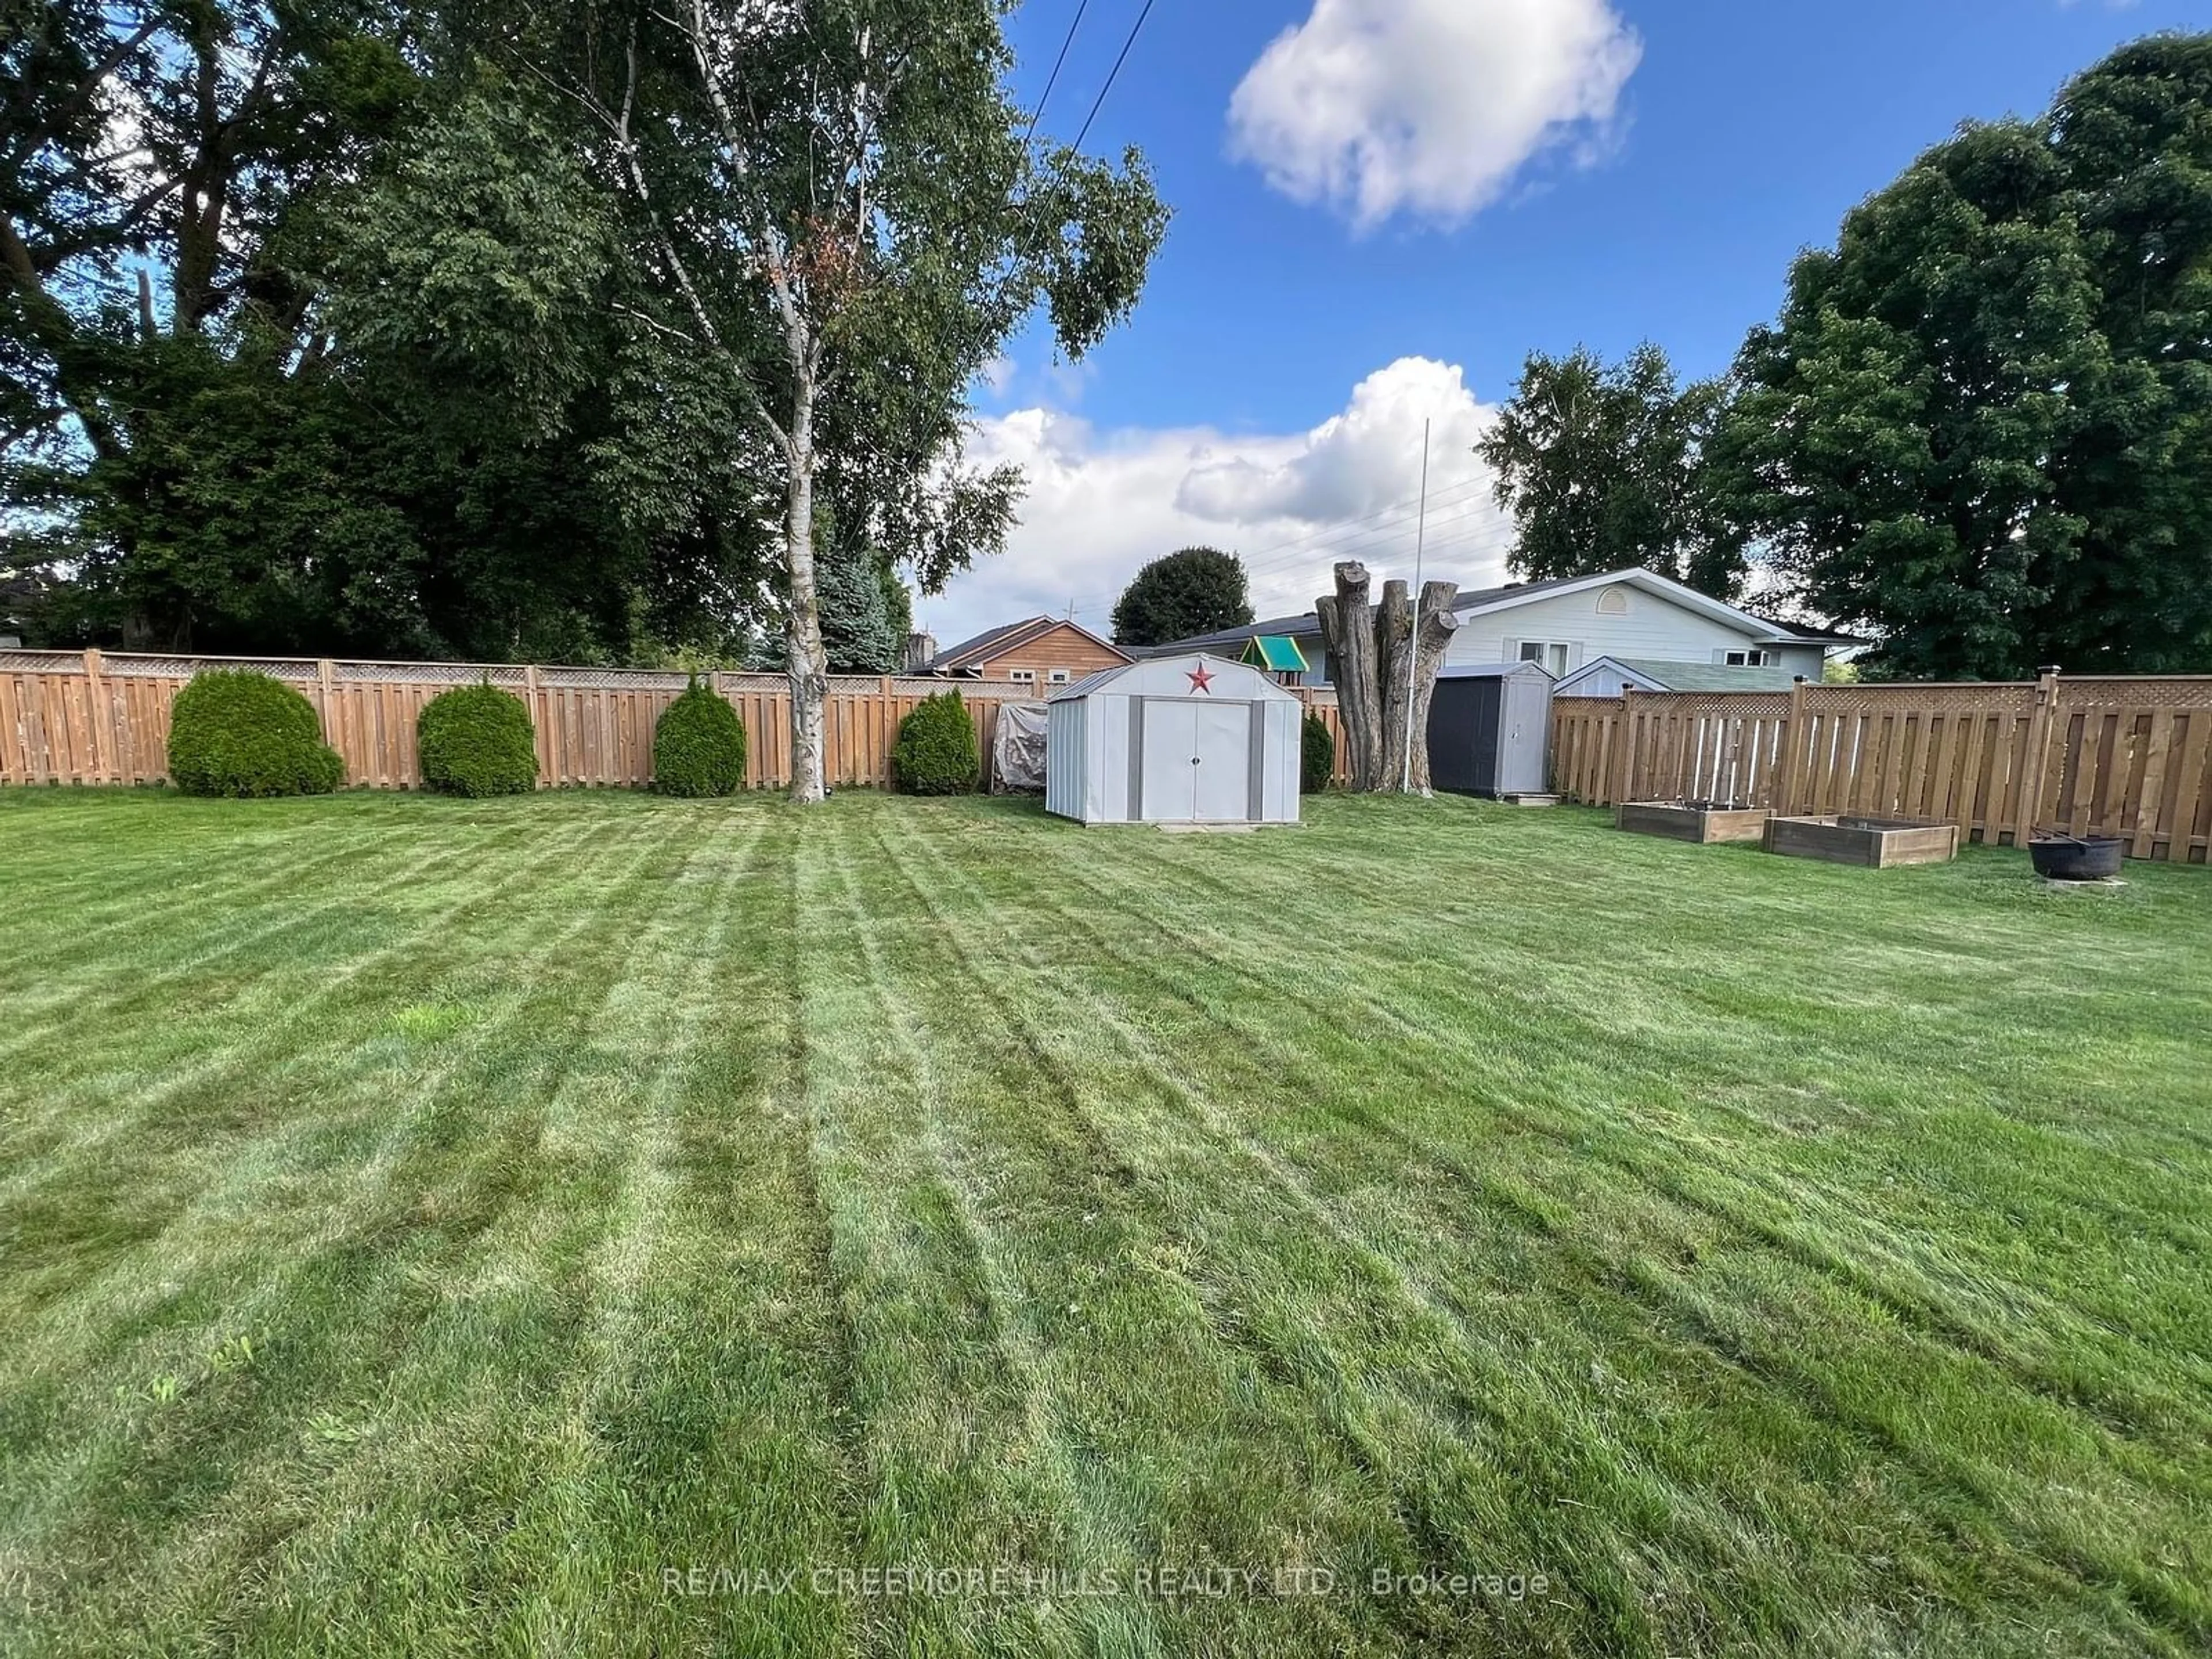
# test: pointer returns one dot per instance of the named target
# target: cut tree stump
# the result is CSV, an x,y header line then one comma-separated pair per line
x,y
1381,660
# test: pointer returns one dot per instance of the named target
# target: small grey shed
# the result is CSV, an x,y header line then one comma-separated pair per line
x,y
1490,730
1181,739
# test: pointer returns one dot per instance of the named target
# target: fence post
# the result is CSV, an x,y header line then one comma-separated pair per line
x,y
1797,757
1623,777
2035,764
95,718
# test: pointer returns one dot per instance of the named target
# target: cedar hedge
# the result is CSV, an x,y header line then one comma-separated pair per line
x,y
1317,760
699,745
477,740
236,733
936,752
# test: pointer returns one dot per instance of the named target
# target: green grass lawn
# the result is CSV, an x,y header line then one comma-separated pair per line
x,y
433,1226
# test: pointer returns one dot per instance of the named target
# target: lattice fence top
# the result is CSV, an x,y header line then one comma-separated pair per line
x,y
427,673
1725,705
1996,697
607,679
41,662
2137,693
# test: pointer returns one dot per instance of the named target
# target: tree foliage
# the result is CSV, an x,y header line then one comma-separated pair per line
x,y
859,633
1982,426
1599,464
1200,590
849,220
503,331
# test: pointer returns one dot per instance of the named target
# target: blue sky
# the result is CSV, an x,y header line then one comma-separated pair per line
x,y
1377,217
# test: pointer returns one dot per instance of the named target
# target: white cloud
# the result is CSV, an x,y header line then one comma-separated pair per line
x,y
1429,107
1101,504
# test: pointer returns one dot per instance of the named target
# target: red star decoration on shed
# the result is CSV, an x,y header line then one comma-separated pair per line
x,y
1201,679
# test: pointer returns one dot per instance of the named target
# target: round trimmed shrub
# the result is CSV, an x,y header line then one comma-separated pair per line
x,y
1317,759
235,732
936,752
699,745
477,740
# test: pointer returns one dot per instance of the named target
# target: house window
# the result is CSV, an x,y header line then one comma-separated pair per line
x,y
1026,676
1058,676
1552,653
1613,602
1749,659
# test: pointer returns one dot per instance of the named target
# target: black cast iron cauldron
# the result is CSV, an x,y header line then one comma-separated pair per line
x,y
2077,858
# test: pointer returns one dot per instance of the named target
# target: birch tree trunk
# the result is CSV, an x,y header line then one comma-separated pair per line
x,y
804,660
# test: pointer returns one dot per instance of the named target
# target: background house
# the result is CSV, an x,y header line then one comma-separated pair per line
x,y
1623,614
1606,677
1042,651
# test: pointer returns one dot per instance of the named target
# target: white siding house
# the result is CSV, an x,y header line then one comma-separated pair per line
x,y
1637,614
1608,677
1626,618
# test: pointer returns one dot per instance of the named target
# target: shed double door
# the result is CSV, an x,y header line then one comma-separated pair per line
x,y
1197,762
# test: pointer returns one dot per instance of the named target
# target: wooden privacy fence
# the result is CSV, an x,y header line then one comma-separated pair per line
x,y
2108,756
88,718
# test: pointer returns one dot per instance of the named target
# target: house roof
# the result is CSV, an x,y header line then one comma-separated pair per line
x,y
1494,670
1478,600
1807,631
1243,673
995,642
1662,674
1305,627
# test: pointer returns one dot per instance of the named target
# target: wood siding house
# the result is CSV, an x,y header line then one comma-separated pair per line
x,y
1044,652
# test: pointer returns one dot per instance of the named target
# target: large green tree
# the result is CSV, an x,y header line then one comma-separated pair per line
x,y
157,158
318,338
1199,590
1982,426
845,201
1600,466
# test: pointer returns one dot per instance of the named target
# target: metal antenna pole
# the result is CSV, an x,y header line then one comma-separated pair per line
x,y
1414,646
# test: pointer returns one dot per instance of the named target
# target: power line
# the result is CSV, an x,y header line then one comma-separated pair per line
x,y
1388,512
1114,74
1052,80
1472,542
1343,540
1341,536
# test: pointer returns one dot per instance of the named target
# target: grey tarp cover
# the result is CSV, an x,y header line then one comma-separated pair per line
x,y
1018,752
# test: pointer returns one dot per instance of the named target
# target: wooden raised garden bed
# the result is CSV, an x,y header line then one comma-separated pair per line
x,y
1876,843
1691,821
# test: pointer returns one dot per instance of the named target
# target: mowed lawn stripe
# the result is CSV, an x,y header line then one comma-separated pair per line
x,y
1313,1304
69,910
185,971
1169,949
269,1037
1178,1463
466,1182
1785,1259
262,1195
1664,1133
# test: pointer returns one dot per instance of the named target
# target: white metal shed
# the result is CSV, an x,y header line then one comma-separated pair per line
x,y
1183,739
